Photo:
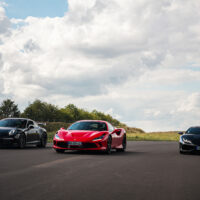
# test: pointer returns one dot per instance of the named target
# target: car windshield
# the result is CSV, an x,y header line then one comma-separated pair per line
x,y
92,126
195,131
15,123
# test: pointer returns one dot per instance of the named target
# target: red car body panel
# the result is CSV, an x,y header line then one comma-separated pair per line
x,y
64,137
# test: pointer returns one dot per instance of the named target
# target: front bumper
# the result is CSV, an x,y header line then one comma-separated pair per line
x,y
7,141
189,147
102,145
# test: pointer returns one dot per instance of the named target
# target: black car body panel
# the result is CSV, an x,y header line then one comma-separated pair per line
x,y
190,140
4,132
195,139
32,133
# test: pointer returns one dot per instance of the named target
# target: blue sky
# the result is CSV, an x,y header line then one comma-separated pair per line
x,y
37,8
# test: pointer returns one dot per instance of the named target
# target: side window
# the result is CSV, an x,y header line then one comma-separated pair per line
x,y
110,127
23,123
30,123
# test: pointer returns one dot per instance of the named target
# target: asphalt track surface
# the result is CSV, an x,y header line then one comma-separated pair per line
x,y
148,170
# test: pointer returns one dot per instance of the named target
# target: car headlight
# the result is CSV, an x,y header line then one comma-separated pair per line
x,y
12,132
99,138
186,141
57,137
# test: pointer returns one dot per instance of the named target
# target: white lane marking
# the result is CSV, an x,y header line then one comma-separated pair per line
x,y
59,161
43,165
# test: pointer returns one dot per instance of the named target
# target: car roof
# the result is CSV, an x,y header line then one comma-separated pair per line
x,y
17,118
91,120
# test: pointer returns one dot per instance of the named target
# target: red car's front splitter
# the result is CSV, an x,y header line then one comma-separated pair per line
x,y
85,146
86,149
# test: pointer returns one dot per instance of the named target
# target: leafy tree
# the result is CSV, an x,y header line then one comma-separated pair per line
x,y
66,115
8,108
83,114
100,115
71,113
42,111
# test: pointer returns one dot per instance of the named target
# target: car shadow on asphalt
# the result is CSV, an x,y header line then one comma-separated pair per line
x,y
100,153
28,147
191,154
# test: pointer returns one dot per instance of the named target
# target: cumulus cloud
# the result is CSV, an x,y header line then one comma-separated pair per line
x,y
135,59
191,103
4,21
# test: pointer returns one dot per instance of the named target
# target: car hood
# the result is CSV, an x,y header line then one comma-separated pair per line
x,y
195,139
71,135
5,130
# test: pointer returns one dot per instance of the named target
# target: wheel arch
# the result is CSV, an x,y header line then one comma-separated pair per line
x,y
23,133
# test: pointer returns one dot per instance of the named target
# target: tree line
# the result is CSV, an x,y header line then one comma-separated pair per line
x,y
46,112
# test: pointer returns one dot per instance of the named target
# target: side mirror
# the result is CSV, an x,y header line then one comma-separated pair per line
x,y
117,131
180,133
30,126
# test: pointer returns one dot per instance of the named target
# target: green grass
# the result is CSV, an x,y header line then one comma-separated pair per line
x,y
50,136
154,136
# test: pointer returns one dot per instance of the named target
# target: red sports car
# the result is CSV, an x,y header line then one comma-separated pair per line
x,y
90,135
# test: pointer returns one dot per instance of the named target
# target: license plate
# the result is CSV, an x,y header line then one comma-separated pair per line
x,y
198,148
75,143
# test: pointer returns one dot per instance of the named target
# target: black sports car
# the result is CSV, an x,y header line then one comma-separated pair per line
x,y
190,140
22,131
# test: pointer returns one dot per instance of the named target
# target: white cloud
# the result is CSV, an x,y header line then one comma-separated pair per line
x,y
135,59
191,103
4,21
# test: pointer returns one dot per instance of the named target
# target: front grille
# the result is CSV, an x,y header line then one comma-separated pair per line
x,y
62,144
188,147
196,142
89,145
5,142
84,145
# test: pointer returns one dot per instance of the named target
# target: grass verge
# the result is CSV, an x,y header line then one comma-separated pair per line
x,y
50,136
154,136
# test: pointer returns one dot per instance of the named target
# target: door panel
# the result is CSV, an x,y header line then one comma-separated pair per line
x,y
114,139
37,134
119,138
30,135
30,132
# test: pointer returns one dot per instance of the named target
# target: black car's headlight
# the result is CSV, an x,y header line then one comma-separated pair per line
x,y
12,132
185,141
99,138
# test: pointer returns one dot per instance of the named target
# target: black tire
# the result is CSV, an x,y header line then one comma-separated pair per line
x,y
43,141
124,142
109,144
21,141
60,150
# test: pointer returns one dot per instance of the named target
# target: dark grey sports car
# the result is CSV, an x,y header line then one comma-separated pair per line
x,y
22,131
190,140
